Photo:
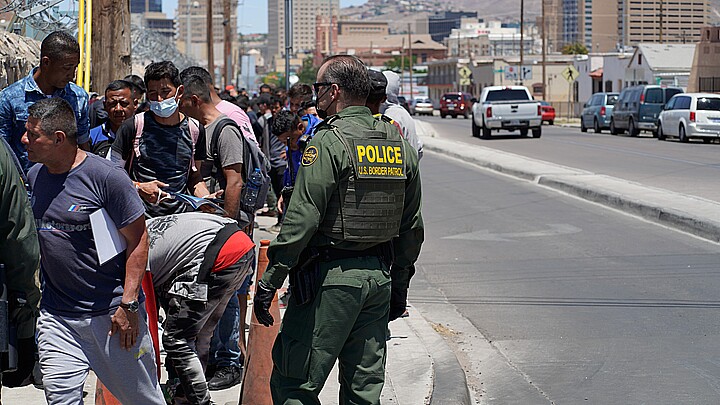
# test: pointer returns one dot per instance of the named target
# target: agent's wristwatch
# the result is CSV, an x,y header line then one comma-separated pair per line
x,y
132,306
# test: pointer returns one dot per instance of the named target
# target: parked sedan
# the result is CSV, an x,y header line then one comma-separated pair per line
x,y
422,106
597,112
548,112
691,115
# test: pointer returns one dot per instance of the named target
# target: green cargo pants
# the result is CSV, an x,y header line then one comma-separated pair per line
x,y
347,321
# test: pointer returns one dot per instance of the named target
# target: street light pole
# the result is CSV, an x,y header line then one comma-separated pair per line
x,y
288,41
210,35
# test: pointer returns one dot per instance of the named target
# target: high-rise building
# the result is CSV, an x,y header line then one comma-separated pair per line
x,y
305,13
661,21
605,25
191,23
145,6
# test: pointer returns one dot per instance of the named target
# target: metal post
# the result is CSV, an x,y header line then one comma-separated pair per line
x,y
544,53
411,63
88,45
209,40
187,30
81,42
522,37
228,41
288,41
330,27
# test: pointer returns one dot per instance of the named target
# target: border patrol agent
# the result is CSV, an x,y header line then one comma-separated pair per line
x,y
354,220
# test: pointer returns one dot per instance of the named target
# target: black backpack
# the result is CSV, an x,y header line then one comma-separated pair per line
x,y
253,159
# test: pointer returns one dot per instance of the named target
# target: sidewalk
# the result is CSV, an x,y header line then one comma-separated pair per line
x,y
687,213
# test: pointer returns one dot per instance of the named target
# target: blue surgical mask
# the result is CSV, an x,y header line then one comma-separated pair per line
x,y
164,108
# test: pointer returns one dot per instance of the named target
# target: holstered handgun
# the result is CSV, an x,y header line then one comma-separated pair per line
x,y
304,277
8,329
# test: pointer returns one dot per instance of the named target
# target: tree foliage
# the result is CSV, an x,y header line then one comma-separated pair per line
x,y
575,49
275,79
308,72
396,63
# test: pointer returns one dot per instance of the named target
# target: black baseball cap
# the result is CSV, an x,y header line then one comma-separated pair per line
x,y
378,83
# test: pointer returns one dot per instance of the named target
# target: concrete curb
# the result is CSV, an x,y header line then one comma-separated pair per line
x,y
684,212
449,384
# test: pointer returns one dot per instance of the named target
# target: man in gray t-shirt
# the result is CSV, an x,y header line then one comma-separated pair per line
x,y
91,313
196,103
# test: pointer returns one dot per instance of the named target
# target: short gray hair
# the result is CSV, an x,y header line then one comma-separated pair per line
x,y
55,114
350,73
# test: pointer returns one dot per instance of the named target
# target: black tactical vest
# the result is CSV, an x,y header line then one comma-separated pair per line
x,y
368,206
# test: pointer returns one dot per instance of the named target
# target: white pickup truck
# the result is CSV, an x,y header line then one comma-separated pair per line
x,y
507,108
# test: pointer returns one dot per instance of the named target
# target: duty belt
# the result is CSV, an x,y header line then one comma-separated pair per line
x,y
384,251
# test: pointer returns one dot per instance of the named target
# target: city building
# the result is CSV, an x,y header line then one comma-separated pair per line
x,y
607,25
661,21
155,21
304,18
705,75
490,38
145,6
148,14
191,22
376,50
440,25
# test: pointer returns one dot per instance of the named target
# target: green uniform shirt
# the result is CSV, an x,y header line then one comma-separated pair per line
x,y
19,249
319,176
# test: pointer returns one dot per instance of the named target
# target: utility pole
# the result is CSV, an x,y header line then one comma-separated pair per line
x,y
227,31
411,62
209,39
288,41
544,53
112,42
402,62
330,28
522,39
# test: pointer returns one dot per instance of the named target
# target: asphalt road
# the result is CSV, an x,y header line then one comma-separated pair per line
x,y
568,302
692,168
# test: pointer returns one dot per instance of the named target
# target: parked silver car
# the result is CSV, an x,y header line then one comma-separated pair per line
x,y
597,112
422,106
691,115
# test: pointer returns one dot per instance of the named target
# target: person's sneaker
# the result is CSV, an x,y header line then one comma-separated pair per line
x,y
275,228
225,377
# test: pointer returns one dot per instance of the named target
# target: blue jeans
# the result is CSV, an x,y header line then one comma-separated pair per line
x,y
224,350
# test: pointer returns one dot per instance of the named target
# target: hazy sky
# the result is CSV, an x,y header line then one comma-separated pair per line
x,y
252,16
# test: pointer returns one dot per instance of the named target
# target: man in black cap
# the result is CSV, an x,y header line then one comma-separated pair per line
x,y
377,96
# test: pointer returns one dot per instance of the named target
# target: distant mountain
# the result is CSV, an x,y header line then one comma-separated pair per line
x,y
506,10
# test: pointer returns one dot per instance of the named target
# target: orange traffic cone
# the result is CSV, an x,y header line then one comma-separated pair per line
x,y
102,394
255,388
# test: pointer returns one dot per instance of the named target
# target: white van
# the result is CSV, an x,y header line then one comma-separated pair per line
x,y
691,115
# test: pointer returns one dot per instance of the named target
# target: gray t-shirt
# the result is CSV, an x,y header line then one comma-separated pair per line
x,y
177,249
74,282
230,149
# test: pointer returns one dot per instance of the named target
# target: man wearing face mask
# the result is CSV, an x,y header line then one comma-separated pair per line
x,y
159,148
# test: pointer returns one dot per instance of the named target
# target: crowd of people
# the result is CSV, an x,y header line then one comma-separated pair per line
x,y
74,168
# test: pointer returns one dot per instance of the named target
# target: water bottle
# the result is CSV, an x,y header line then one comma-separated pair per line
x,y
253,187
